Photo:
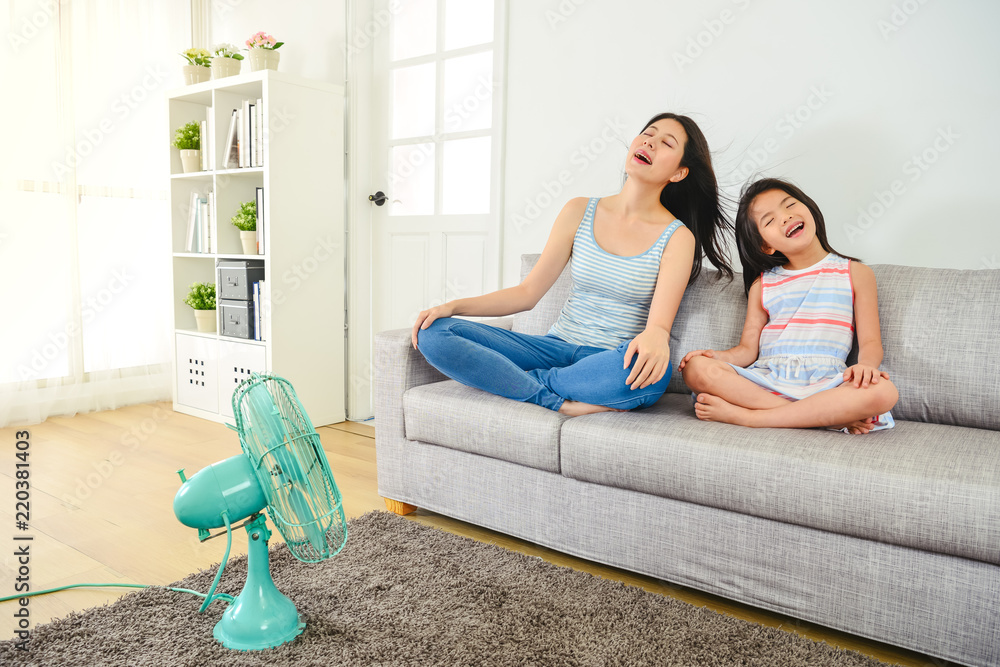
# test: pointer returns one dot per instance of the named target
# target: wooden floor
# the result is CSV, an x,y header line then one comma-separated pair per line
x,y
102,487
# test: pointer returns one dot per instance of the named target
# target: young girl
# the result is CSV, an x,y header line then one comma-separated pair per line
x,y
805,303
633,255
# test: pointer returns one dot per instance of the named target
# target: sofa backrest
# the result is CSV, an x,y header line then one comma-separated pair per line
x,y
939,334
540,319
942,344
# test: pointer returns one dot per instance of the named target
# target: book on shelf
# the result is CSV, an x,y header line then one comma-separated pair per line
x,y
191,237
198,236
206,241
259,147
244,133
210,220
261,309
232,142
261,249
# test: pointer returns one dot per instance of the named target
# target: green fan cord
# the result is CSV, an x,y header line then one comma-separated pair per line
x,y
209,597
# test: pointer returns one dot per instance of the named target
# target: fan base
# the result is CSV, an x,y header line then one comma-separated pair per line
x,y
261,616
268,637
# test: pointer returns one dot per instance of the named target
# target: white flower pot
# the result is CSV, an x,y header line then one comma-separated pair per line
x,y
205,319
263,59
190,160
249,241
223,67
196,74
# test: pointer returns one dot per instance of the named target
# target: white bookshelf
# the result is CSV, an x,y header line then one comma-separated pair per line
x,y
303,180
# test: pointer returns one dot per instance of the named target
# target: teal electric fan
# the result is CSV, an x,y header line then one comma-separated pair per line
x,y
282,468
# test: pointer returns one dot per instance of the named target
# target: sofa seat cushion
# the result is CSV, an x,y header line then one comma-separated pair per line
x,y
452,415
925,486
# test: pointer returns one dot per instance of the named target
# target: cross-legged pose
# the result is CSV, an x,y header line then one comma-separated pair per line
x,y
805,303
633,255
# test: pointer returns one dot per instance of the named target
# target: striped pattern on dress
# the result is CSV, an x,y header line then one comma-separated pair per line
x,y
804,346
610,296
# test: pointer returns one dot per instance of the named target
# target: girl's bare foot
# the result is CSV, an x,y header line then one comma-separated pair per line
x,y
714,409
859,427
577,409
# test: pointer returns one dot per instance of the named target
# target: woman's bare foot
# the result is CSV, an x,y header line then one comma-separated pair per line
x,y
577,409
714,409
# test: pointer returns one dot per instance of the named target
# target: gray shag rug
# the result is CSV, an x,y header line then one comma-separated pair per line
x,y
404,594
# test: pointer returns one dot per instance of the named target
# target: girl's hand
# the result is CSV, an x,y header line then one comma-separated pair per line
x,y
653,349
695,353
862,376
427,317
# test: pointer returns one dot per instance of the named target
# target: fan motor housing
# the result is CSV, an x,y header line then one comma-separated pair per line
x,y
229,486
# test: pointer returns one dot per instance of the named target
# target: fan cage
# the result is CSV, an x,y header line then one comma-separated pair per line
x,y
304,502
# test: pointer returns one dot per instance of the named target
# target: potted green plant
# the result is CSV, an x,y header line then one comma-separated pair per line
x,y
197,69
263,49
201,298
225,60
187,139
245,220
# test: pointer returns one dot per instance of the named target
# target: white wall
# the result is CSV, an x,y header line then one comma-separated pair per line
x,y
313,32
849,99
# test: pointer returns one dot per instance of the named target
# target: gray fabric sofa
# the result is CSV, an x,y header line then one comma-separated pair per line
x,y
893,535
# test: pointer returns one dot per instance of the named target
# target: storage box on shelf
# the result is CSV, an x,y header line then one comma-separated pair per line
x,y
301,268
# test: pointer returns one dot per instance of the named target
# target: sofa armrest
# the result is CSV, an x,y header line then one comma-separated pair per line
x,y
398,367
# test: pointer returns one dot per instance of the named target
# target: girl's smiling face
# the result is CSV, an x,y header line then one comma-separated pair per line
x,y
656,154
785,224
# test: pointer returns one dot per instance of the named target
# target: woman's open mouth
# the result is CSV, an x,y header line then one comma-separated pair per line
x,y
641,156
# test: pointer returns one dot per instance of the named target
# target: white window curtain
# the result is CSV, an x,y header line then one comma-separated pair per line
x,y
84,228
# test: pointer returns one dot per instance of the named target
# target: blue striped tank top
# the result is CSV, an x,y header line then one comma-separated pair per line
x,y
610,297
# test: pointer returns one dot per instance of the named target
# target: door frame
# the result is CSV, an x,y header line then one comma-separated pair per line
x,y
363,27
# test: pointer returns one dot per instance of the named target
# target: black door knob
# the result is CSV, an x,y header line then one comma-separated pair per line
x,y
379,198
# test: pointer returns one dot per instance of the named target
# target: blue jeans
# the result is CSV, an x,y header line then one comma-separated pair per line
x,y
544,370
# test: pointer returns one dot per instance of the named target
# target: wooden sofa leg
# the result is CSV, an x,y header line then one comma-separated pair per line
x,y
396,507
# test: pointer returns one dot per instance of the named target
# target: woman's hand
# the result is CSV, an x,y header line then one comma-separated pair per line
x,y
653,349
695,353
427,317
862,375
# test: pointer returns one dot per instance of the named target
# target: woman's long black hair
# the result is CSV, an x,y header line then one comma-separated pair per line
x,y
695,199
748,239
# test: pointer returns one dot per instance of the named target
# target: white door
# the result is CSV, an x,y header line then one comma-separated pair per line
x,y
436,154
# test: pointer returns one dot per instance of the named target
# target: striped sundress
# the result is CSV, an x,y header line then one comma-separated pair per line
x,y
610,296
810,331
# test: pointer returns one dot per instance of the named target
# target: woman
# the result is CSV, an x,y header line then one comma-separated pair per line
x,y
633,255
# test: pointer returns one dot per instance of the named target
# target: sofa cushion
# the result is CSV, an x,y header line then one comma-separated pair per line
x,y
925,486
452,415
942,348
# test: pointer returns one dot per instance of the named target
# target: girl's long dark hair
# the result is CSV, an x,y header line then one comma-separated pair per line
x,y
748,239
695,199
